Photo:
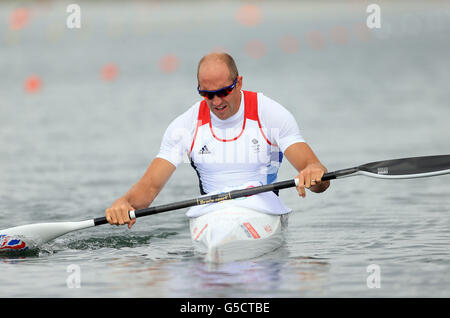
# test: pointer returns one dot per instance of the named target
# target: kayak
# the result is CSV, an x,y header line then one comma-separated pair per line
x,y
236,233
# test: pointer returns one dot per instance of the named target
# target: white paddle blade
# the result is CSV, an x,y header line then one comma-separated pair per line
x,y
28,236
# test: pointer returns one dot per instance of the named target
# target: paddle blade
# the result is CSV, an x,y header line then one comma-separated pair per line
x,y
406,168
24,237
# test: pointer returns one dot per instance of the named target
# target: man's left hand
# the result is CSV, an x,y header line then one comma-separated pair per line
x,y
311,178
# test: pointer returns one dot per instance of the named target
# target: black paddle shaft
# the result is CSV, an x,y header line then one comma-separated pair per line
x,y
207,199
217,198
417,166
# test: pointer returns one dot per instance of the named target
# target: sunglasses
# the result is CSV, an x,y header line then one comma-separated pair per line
x,y
223,92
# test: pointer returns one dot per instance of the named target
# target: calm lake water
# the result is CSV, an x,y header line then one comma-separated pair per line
x,y
68,150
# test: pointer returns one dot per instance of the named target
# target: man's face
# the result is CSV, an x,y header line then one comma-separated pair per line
x,y
214,75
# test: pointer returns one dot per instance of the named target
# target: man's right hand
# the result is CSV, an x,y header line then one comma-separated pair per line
x,y
117,213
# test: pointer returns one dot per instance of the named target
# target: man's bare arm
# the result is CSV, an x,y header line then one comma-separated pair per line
x,y
310,169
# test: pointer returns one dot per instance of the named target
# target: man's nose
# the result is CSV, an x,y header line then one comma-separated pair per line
x,y
216,101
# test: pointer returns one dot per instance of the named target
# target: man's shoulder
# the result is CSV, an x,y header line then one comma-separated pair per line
x,y
271,113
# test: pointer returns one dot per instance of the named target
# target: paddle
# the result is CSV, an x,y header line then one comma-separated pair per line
x,y
28,236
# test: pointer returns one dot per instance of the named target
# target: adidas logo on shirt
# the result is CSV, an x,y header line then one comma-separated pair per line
x,y
204,150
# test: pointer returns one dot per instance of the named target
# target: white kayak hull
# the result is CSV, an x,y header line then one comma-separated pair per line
x,y
237,233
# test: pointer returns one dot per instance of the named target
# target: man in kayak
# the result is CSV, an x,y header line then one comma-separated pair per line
x,y
232,138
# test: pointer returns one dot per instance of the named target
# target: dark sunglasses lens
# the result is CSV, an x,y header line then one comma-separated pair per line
x,y
222,93
206,94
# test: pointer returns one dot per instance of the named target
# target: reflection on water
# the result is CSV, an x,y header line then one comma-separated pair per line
x,y
192,277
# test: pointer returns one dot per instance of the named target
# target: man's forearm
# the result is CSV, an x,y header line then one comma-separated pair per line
x,y
139,197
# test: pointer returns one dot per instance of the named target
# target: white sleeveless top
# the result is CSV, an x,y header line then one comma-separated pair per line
x,y
235,156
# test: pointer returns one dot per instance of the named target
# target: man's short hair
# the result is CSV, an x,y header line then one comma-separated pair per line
x,y
224,57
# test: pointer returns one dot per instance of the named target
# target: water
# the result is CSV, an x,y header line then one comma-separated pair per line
x,y
72,148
